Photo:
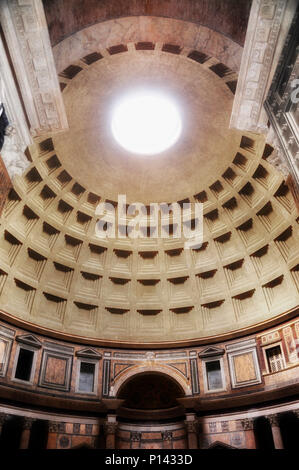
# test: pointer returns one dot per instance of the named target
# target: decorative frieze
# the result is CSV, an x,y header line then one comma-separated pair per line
x,y
267,29
26,32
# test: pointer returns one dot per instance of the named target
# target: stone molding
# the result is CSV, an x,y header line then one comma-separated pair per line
x,y
266,32
26,32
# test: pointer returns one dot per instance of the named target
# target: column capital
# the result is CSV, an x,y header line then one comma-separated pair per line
x,y
191,426
110,428
27,423
135,436
274,419
167,435
53,426
247,424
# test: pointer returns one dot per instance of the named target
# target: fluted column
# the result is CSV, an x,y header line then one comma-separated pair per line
x,y
277,439
192,430
247,425
110,428
25,436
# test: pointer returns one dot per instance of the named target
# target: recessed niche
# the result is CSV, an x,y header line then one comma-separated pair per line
x,y
214,314
91,58
46,146
89,284
231,177
52,308
201,197
117,311
82,222
84,316
93,199
23,297
284,197
10,247
262,176
236,274
11,202
275,292
3,278
180,310
70,72
232,85
270,219
46,196
247,144
295,275
233,209
250,195
244,304
77,190
145,46
221,70
213,220
250,233
218,190
53,164
267,151
198,56
33,265
95,257
71,249
63,179
63,212
287,244
241,162
117,49
59,276
209,282
149,311
172,48
32,179
227,245
48,236
179,291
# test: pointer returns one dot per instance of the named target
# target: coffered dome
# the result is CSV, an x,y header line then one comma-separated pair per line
x,y
58,276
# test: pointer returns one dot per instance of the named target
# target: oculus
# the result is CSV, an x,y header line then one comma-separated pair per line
x,y
146,122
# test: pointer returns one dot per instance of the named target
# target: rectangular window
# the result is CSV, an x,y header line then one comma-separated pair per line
x,y
86,379
214,376
24,365
275,359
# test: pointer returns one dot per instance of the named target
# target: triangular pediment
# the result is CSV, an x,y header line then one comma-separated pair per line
x,y
89,352
30,340
211,351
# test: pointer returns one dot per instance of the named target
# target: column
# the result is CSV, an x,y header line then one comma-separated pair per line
x,y
52,435
110,428
247,426
277,439
192,428
135,439
167,437
25,436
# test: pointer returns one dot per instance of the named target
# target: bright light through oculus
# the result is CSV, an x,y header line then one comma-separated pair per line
x,y
146,122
